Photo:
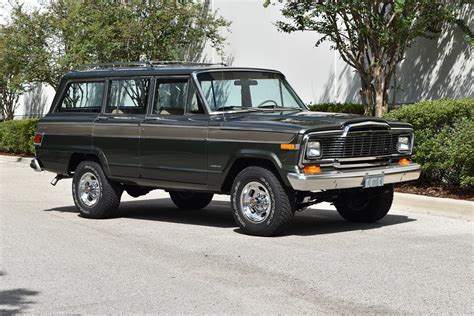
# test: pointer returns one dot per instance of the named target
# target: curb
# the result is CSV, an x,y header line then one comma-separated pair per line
x,y
25,160
462,209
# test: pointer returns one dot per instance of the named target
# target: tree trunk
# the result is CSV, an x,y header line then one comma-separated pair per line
x,y
380,99
380,93
9,105
367,96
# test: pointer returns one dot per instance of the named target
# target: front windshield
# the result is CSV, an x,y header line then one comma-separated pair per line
x,y
247,90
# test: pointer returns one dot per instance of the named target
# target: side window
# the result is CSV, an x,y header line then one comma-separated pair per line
x,y
128,96
170,97
82,97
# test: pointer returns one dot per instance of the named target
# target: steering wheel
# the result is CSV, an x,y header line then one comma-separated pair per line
x,y
266,101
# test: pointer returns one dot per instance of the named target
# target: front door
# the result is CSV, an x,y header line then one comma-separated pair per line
x,y
173,142
117,129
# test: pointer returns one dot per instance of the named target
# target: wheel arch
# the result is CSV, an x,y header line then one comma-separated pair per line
x,y
249,158
77,157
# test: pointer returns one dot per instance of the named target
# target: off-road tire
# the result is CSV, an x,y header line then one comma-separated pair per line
x,y
282,208
109,197
365,205
190,200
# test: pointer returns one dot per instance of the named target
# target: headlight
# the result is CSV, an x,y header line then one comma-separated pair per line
x,y
313,149
404,144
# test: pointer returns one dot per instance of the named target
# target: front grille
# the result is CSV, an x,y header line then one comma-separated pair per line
x,y
355,145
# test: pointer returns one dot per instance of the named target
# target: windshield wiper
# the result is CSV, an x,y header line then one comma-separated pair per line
x,y
236,108
279,108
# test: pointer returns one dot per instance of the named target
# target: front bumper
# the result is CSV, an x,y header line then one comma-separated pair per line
x,y
352,178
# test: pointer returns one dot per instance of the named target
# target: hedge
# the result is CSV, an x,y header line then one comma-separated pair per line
x,y
17,136
444,139
338,108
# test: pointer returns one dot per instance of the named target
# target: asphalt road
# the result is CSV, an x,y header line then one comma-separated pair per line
x,y
154,258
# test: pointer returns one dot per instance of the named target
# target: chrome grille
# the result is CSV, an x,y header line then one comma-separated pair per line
x,y
368,144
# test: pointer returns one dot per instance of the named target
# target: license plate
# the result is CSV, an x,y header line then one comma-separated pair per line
x,y
373,181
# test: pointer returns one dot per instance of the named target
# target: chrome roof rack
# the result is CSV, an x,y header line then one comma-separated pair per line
x,y
142,64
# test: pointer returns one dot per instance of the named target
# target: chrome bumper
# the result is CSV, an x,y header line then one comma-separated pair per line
x,y
352,178
35,165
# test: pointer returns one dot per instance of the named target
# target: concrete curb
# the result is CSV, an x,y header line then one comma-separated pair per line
x,y
434,205
402,201
25,160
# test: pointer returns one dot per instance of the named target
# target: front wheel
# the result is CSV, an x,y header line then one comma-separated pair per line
x,y
365,205
261,205
190,200
94,195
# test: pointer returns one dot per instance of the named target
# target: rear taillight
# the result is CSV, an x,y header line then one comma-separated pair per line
x,y
38,139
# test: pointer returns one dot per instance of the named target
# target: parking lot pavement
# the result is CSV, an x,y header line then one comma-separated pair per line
x,y
155,258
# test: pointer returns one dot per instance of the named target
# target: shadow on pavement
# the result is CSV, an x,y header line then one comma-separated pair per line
x,y
218,214
15,301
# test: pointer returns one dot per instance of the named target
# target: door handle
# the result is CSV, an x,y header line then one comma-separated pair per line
x,y
102,118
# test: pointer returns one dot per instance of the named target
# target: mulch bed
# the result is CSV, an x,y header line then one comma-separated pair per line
x,y
437,191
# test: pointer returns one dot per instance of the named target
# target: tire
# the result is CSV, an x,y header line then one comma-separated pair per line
x,y
261,205
190,200
89,178
365,205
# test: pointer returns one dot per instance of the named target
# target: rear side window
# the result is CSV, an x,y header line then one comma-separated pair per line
x,y
128,96
82,97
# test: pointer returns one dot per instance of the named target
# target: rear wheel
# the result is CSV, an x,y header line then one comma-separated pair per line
x,y
261,205
190,200
94,196
365,205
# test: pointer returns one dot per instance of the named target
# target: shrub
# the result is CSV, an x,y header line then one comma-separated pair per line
x,y
17,136
444,139
352,108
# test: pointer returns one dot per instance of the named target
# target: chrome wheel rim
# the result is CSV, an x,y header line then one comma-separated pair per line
x,y
89,189
255,202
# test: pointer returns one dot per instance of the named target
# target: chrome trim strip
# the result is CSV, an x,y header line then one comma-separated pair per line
x,y
352,178
366,123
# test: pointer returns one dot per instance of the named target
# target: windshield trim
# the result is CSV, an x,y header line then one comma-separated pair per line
x,y
237,69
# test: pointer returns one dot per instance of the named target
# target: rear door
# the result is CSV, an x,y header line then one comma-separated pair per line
x,y
117,129
174,134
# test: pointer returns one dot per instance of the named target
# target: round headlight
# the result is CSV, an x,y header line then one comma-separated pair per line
x,y
404,144
313,149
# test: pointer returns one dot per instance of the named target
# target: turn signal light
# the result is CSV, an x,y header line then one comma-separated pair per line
x,y
38,139
288,147
312,169
404,161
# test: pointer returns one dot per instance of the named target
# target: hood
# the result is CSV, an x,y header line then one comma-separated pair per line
x,y
298,122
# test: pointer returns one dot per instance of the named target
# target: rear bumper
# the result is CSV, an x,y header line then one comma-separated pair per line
x,y
36,165
352,178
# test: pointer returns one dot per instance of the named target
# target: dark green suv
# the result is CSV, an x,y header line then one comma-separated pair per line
x,y
195,130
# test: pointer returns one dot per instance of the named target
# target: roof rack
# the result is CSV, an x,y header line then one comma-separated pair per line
x,y
142,64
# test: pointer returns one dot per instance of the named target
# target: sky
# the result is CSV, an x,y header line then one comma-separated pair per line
x,y
5,6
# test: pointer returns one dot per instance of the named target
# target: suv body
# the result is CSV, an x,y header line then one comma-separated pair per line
x,y
197,130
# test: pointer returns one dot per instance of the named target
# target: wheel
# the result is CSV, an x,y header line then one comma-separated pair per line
x,y
261,206
94,195
365,205
190,200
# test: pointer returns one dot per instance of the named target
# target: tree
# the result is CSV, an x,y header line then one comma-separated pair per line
x,y
12,83
372,36
65,33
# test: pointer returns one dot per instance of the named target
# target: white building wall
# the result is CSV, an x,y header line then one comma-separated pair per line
x,y
435,69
